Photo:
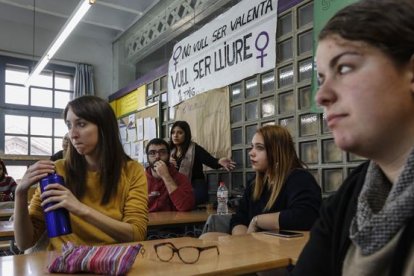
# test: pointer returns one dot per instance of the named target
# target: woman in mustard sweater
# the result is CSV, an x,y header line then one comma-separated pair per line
x,y
105,192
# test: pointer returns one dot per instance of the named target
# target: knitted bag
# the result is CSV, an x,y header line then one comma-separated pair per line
x,y
108,259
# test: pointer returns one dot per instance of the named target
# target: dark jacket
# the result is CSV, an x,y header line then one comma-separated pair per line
x,y
298,202
329,238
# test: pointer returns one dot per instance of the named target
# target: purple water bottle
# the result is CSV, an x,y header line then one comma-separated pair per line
x,y
57,221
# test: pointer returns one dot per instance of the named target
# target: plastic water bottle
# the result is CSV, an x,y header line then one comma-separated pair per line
x,y
222,199
57,221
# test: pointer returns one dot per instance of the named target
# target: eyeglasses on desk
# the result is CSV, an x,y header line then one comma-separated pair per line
x,y
187,254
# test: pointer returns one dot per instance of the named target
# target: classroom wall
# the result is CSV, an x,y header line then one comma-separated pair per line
x,y
281,96
17,40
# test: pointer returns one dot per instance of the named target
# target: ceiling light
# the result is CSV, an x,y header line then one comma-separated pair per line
x,y
73,20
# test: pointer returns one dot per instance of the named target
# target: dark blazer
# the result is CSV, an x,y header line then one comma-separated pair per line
x,y
298,202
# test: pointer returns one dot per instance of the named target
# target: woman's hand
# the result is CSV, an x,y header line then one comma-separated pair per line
x,y
253,225
62,197
227,163
239,230
34,173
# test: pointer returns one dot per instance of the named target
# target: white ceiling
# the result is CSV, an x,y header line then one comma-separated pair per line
x,y
105,20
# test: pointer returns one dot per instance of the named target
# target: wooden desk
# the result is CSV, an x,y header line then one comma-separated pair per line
x,y
176,218
155,219
6,213
238,254
291,247
6,230
7,234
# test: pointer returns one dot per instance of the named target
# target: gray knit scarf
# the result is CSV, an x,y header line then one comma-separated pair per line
x,y
187,162
382,208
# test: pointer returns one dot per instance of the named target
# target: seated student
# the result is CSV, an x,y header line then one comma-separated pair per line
x,y
7,184
168,190
365,61
61,154
105,191
283,196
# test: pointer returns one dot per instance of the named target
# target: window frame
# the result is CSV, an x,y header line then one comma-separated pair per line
x,y
29,110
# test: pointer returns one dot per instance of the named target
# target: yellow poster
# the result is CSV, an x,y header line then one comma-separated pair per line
x,y
113,105
132,101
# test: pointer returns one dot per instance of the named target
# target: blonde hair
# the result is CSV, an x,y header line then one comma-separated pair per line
x,y
281,159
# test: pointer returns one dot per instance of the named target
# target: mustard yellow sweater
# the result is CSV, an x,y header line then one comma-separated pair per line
x,y
130,206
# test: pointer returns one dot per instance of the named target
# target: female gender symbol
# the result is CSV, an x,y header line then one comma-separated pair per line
x,y
176,56
261,49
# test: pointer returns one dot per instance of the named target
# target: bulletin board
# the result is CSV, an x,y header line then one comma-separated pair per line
x,y
137,128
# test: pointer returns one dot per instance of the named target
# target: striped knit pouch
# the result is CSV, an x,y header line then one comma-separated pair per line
x,y
107,259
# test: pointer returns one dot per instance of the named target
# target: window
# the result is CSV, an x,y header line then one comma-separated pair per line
x,y
32,116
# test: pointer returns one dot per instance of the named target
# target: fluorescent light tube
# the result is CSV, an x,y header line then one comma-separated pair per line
x,y
73,20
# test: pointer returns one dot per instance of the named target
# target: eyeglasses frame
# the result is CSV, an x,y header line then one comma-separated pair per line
x,y
164,152
177,250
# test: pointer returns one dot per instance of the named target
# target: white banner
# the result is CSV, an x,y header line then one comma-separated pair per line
x,y
237,44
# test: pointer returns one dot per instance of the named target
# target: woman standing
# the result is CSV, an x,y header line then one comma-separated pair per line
x,y
189,157
284,195
365,61
105,192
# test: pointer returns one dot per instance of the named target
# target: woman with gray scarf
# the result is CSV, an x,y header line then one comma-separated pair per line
x,y
189,158
365,62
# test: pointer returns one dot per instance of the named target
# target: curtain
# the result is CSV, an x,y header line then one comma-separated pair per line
x,y
84,80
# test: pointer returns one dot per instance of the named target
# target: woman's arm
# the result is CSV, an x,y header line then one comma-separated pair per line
x,y
23,228
241,219
207,159
64,198
303,200
135,220
268,221
24,231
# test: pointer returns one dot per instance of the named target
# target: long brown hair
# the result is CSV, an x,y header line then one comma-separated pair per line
x,y
111,157
281,159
